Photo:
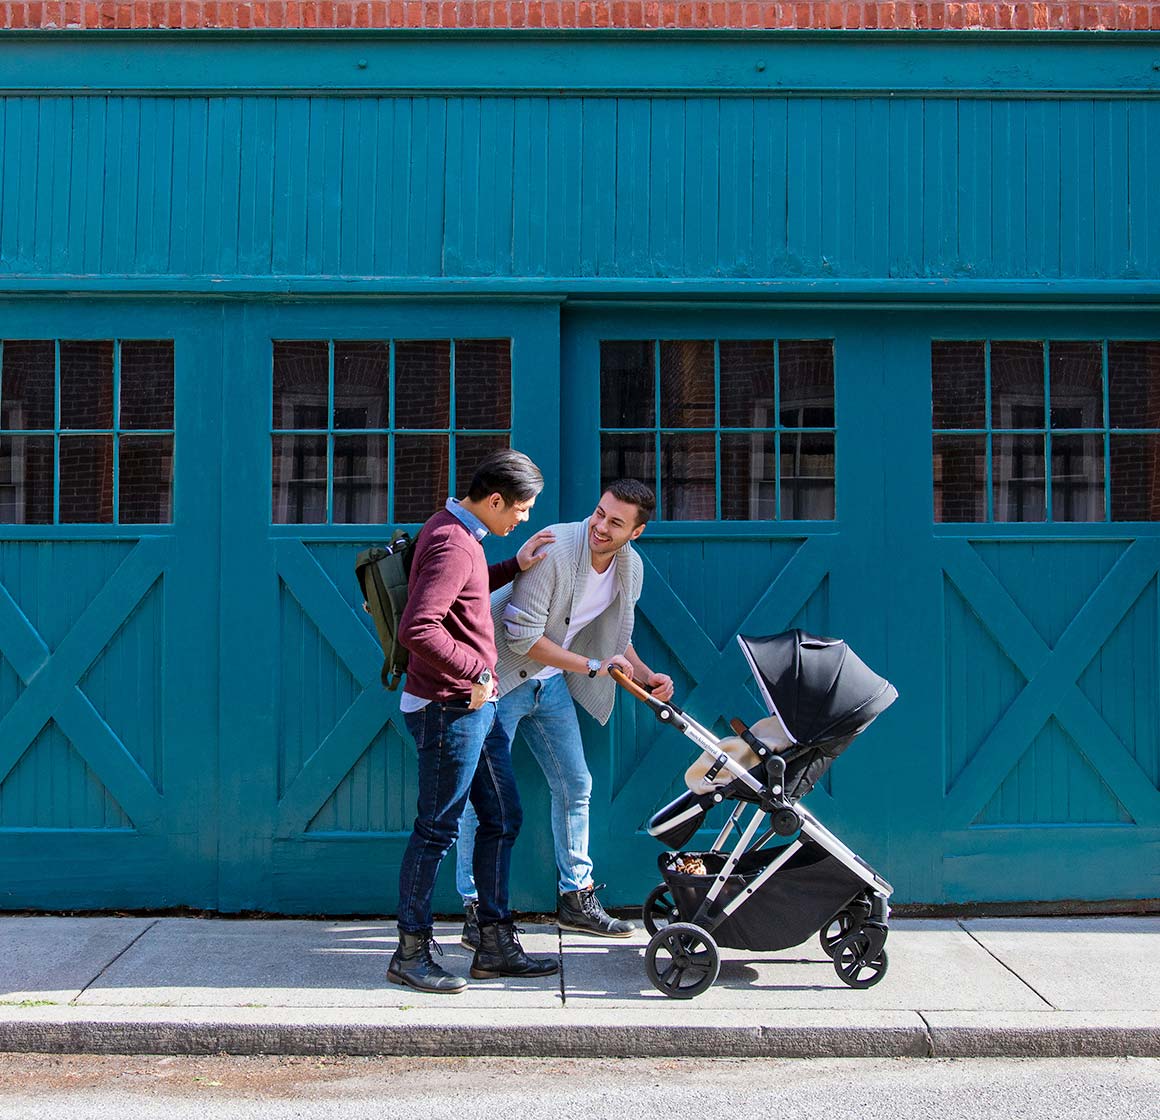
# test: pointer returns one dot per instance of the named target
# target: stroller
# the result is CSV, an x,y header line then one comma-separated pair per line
x,y
761,896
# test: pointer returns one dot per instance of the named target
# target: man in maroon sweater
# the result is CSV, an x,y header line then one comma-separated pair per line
x,y
449,708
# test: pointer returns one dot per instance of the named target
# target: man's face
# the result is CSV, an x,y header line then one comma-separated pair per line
x,y
501,519
612,525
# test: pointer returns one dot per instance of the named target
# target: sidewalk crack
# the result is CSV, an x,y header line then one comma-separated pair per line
x,y
929,1035
1030,987
73,1002
560,950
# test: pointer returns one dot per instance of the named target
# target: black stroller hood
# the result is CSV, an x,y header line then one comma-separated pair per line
x,y
819,688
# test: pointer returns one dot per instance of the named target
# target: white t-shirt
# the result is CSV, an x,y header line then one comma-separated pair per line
x,y
599,591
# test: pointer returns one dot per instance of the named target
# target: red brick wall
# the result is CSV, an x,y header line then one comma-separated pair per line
x,y
1016,14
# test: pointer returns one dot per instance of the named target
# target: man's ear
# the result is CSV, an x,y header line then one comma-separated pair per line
x,y
495,502
636,532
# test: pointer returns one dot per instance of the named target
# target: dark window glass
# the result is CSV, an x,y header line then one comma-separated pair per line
x,y
1135,478
145,480
960,478
688,477
299,475
1134,386
360,479
28,385
26,480
362,384
423,385
483,383
807,476
1077,477
806,374
86,479
628,456
747,372
748,478
1017,386
421,482
147,385
627,385
958,387
301,384
1077,386
86,386
1018,478
687,384
469,452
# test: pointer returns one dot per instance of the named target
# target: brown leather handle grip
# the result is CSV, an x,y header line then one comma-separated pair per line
x,y
628,684
738,727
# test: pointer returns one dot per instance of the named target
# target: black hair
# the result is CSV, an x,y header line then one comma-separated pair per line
x,y
508,473
635,493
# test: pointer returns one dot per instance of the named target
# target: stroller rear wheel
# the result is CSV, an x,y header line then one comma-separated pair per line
x,y
659,909
682,961
839,926
856,964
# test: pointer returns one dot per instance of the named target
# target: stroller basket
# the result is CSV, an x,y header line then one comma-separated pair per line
x,y
786,909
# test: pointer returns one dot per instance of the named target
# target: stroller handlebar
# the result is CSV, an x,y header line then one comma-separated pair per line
x,y
666,713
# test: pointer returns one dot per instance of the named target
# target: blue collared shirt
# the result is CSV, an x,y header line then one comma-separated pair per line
x,y
474,526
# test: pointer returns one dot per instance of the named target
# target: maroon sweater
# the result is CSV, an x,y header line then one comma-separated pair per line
x,y
446,626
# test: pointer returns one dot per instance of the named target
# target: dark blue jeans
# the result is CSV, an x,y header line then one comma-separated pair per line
x,y
462,754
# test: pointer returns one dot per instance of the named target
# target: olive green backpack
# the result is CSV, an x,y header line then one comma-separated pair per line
x,y
382,574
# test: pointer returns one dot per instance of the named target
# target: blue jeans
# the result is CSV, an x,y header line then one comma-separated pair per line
x,y
545,713
462,754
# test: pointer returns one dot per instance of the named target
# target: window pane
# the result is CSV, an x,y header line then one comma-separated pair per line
x,y
86,479
747,384
806,372
362,384
628,456
483,383
147,384
146,480
1017,387
688,478
1077,385
299,480
687,384
627,387
360,480
423,385
960,478
807,476
301,385
86,385
1077,477
469,453
958,380
420,476
1017,477
1134,384
26,480
1135,478
747,477
29,386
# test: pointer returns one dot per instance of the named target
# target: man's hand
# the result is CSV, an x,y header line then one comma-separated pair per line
x,y
619,662
661,686
534,549
480,695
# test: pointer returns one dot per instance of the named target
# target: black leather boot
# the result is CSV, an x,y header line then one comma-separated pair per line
x,y
413,965
500,954
581,911
469,938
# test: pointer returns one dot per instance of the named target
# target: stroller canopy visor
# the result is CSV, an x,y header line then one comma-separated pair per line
x,y
819,688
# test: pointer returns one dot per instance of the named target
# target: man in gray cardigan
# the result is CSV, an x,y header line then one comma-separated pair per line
x,y
559,628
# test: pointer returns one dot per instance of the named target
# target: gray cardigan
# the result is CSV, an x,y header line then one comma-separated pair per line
x,y
540,602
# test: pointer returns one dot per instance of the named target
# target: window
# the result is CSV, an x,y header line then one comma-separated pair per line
x,y
731,429
1005,409
86,432
370,432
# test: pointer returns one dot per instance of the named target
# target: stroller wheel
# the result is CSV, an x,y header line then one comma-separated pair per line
x,y
682,960
839,926
659,909
854,964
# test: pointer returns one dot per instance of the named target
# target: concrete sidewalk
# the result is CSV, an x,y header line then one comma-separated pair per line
x,y
994,987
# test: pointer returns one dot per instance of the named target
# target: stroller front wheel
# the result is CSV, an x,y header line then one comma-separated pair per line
x,y
659,909
682,960
839,926
856,964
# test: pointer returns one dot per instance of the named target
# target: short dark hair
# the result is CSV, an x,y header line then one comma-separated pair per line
x,y
635,493
508,473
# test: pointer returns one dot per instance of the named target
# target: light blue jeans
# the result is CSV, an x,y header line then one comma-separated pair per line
x,y
545,713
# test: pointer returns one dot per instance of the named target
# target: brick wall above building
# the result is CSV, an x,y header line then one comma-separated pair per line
x,y
640,14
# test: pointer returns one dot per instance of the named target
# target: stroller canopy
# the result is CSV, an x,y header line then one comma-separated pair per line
x,y
819,688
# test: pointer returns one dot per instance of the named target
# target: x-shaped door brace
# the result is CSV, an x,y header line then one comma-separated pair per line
x,y
1052,676
52,680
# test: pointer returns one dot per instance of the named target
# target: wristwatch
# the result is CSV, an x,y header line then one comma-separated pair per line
x,y
594,664
484,678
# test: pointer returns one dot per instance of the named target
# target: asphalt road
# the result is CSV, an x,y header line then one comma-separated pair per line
x,y
96,1088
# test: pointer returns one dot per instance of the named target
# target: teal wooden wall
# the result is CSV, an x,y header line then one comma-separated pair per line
x,y
190,714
